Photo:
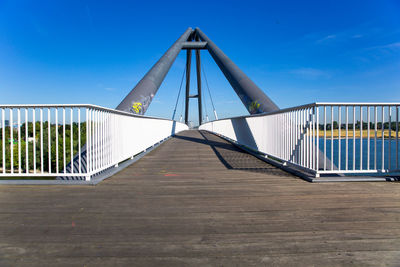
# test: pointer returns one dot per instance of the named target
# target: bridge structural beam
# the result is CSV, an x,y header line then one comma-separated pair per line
x,y
139,99
198,72
187,96
194,45
198,69
252,97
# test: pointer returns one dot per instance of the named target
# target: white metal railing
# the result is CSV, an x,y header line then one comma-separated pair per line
x,y
73,141
322,138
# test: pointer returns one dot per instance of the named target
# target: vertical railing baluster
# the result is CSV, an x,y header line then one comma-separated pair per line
x,y
302,137
332,129
11,140
383,138
79,142
96,140
368,137
283,136
309,137
93,141
19,140
289,139
354,137
103,129
88,144
276,136
72,138
292,133
93,138
49,137
375,136
339,137
26,141
309,131
347,138
99,116
361,139
305,137
303,140
112,142
34,138
313,138
296,151
317,148
324,138
289,136
284,133
292,130
390,139
299,136
397,138
3,138
101,139
108,138
41,140
56,132
64,146
99,134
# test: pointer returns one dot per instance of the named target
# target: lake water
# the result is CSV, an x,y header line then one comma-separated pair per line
x,y
364,153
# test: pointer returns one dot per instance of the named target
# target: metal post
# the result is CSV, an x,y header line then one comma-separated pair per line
x,y
253,98
199,83
188,63
139,99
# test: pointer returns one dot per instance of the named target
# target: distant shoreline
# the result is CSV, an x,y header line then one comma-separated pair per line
x,y
357,134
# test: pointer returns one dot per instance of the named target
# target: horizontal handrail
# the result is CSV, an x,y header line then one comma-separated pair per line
x,y
79,106
315,104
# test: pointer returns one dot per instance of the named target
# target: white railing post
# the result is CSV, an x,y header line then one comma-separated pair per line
x,y
88,145
317,151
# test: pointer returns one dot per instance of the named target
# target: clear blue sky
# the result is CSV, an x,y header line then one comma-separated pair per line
x,y
296,51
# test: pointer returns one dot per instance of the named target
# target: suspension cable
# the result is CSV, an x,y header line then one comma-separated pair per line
x,y
205,104
179,93
182,107
203,96
209,93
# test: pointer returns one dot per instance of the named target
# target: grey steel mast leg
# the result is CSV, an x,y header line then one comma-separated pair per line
x,y
252,97
199,84
188,63
139,99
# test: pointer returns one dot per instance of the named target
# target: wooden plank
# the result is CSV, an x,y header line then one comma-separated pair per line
x,y
198,200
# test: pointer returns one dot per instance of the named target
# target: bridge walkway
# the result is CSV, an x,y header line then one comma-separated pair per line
x,y
198,200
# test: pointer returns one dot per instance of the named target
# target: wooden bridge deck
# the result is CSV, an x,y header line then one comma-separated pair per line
x,y
197,200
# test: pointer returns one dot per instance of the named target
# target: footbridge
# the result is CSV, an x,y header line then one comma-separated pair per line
x,y
225,193
87,143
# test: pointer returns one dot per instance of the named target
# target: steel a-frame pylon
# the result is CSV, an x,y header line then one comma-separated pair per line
x,y
196,45
252,97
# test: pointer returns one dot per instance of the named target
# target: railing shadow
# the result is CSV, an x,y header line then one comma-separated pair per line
x,y
296,151
243,133
233,157
205,141
74,168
